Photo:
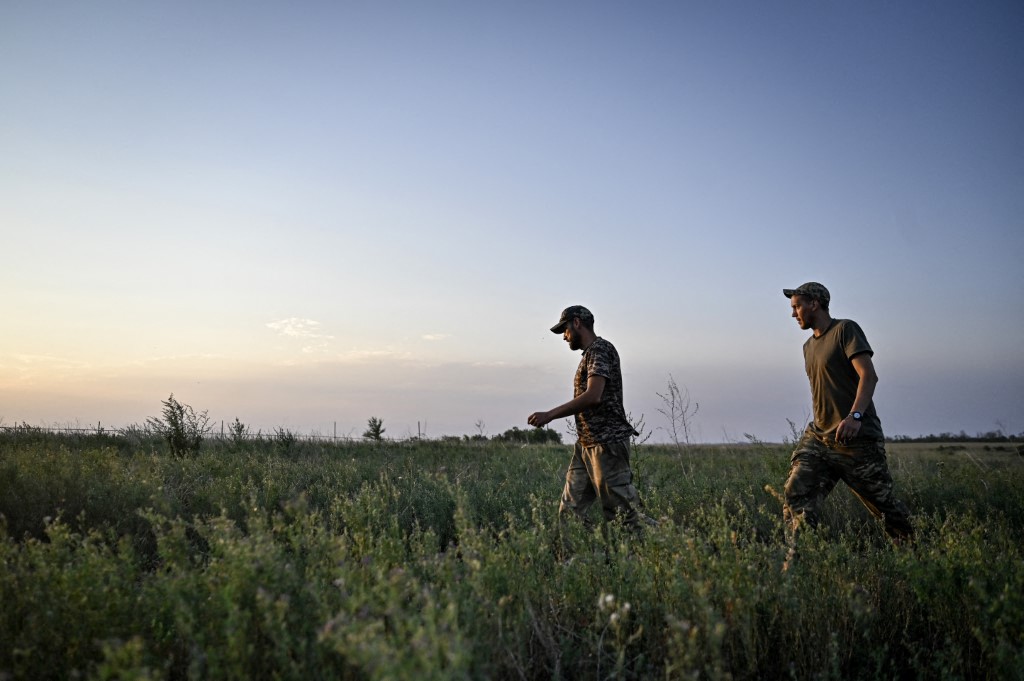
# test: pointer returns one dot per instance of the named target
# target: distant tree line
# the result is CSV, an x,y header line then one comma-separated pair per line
x,y
514,435
533,436
962,436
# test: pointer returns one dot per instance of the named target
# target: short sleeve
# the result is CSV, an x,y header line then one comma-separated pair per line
x,y
854,341
600,362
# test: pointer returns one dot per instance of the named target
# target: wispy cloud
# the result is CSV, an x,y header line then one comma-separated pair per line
x,y
48,360
172,359
370,355
27,368
296,327
435,336
305,329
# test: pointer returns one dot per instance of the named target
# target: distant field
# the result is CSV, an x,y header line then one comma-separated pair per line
x,y
283,559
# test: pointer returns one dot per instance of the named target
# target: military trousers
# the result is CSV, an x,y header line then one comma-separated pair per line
x,y
816,467
602,472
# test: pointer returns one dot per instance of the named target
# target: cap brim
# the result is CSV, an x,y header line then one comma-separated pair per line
x,y
789,292
559,328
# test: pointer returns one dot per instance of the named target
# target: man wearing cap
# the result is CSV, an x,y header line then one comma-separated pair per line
x,y
600,460
845,440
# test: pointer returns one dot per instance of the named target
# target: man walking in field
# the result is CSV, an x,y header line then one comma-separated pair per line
x,y
844,441
599,468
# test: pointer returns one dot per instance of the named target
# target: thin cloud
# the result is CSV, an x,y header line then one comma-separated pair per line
x,y
370,355
435,336
168,359
28,367
49,360
296,327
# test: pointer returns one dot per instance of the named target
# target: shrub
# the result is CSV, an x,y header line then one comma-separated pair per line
x,y
285,440
181,427
239,432
374,429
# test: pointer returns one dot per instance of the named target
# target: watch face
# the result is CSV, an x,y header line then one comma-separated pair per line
x,y
857,416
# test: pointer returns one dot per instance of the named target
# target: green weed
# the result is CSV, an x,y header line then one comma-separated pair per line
x,y
442,560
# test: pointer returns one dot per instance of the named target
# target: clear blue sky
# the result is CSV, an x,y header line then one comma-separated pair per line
x,y
309,213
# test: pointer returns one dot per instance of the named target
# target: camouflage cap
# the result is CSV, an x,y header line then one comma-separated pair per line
x,y
568,314
812,290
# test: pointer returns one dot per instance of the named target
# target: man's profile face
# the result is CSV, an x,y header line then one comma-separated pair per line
x,y
804,310
572,336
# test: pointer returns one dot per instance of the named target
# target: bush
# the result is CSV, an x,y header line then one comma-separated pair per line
x,y
181,427
374,429
239,433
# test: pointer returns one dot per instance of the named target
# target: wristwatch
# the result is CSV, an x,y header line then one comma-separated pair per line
x,y
856,415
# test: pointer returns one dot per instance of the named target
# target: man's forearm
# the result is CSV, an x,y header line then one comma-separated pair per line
x,y
867,380
865,391
574,406
590,397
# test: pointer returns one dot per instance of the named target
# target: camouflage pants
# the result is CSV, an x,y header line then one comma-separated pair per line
x,y
814,470
602,472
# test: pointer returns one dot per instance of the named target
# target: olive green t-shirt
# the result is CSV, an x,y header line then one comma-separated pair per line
x,y
834,380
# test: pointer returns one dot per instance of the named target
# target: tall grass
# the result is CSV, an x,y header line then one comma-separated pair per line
x,y
439,561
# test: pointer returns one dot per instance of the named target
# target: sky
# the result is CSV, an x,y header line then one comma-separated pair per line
x,y
302,215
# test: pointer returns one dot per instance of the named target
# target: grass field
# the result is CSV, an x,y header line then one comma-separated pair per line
x,y
428,560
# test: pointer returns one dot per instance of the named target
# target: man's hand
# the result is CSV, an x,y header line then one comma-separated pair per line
x,y
539,419
847,430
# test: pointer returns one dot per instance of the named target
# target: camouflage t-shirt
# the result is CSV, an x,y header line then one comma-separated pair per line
x,y
834,380
607,421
